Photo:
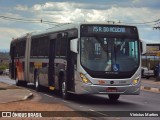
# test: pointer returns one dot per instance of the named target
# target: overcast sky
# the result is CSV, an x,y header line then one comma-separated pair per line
x,y
64,11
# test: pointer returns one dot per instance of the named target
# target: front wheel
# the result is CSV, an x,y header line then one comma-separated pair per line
x,y
65,94
113,97
36,83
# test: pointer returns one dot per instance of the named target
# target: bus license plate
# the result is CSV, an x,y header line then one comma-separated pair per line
x,y
111,89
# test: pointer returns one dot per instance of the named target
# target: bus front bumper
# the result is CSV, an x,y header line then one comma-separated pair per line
x,y
82,88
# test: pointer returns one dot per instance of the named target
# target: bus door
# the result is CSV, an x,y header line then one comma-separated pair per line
x,y
71,60
51,69
67,55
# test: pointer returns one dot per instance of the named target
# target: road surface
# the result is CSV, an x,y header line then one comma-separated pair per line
x,y
99,104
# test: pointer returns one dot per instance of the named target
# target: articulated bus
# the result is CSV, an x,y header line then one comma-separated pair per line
x,y
81,58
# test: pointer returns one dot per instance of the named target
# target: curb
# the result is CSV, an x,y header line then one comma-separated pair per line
x,y
29,96
152,89
25,97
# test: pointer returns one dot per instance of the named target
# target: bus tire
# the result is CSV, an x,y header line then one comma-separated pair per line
x,y
36,83
16,78
21,83
113,97
65,94
147,77
17,82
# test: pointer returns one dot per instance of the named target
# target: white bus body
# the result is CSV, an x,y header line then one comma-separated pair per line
x,y
80,58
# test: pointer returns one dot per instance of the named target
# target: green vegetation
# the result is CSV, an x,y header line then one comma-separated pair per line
x,y
4,60
3,67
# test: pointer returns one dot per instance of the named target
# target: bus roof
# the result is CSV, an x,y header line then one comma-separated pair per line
x,y
63,27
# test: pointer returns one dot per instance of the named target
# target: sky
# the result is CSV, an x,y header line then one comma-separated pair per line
x,y
145,14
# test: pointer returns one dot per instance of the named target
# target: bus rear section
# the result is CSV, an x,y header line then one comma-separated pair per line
x,y
18,61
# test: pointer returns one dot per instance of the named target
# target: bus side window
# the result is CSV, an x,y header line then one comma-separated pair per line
x,y
58,41
20,47
61,44
43,46
64,45
12,51
33,48
39,46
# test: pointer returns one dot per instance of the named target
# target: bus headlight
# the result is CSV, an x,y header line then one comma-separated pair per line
x,y
84,78
135,81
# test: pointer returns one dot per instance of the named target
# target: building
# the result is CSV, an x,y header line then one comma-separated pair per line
x,y
152,56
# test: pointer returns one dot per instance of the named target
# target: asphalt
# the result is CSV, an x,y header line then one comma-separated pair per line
x,y
12,93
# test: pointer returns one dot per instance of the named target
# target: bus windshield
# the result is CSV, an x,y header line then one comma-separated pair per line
x,y
109,54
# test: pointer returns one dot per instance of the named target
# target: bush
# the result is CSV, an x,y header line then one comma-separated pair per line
x,y
3,67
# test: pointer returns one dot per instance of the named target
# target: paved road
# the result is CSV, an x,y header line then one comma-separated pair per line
x,y
146,101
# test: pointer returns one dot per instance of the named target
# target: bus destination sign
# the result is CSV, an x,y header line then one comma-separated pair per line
x,y
108,29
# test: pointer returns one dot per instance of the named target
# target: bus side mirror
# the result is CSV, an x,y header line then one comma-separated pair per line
x,y
143,47
74,45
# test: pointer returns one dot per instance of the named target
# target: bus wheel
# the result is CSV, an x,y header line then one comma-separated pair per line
x,y
65,94
147,77
113,97
21,83
36,83
16,78
17,82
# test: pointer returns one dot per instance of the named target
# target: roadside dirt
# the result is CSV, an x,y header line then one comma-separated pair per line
x,y
33,105
37,106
